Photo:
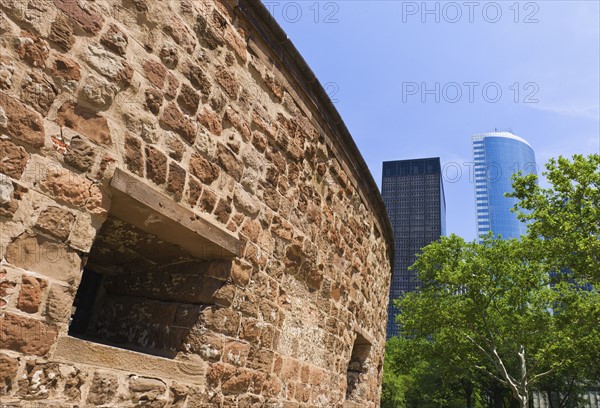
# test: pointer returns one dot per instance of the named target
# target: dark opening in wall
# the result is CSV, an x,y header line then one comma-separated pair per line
x,y
357,369
84,302
141,293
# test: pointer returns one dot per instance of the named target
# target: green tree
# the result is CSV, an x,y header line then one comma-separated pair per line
x,y
414,376
565,215
512,315
492,307
398,366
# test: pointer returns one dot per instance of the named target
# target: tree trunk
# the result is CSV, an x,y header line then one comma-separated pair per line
x,y
468,389
497,397
550,400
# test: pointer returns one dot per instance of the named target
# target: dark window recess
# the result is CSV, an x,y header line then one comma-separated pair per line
x,y
84,302
357,369
141,293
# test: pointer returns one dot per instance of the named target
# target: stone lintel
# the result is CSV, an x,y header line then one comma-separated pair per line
x,y
365,336
73,350
140,205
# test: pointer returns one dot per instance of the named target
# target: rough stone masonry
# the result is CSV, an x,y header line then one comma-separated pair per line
x,y
185,220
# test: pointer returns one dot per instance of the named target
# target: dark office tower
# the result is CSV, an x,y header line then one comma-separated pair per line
x,y
413,193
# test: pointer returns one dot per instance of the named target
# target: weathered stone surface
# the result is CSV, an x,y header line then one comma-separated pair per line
x,y
85,121
156,165
198,78
238,44
75,190
30,295
14,159
155,72
169,56
208,200
272,198
107,164
58,304
180,34
84,231
193,191
224,296
176,181
29,15
103,388
66,69
80,154
239,124
20,122
174,287
116,69
26,335
40,380
154,99
38,91
172,86
240,273
7,71
203,169
229,162
61,33
98,92
7,288
245,202
251,229
172,118
236,381
275,87
32,49
134,158
39,254
8,371
6,192
145,384
115,40
188,99
211,121
227,81
86,18
206,34
223,211
178,394
73,383
4,25
55,221
174,145
224,321
10,196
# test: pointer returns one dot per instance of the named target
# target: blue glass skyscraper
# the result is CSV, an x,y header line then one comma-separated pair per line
x,y
413,193
497,156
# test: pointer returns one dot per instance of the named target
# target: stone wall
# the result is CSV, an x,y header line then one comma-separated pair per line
x,y
200,102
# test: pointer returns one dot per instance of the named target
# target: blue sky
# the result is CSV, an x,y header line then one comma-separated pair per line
x,y
375,56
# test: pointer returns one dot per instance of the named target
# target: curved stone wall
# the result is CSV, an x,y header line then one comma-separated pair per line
x,y
185,220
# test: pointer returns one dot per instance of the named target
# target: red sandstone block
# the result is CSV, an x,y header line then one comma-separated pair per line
x,y
14,159
26,335
236,382
31,293
86,19
21,122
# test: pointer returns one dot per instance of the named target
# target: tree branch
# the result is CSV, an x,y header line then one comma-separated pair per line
x,y
540,375
495,377
521,355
